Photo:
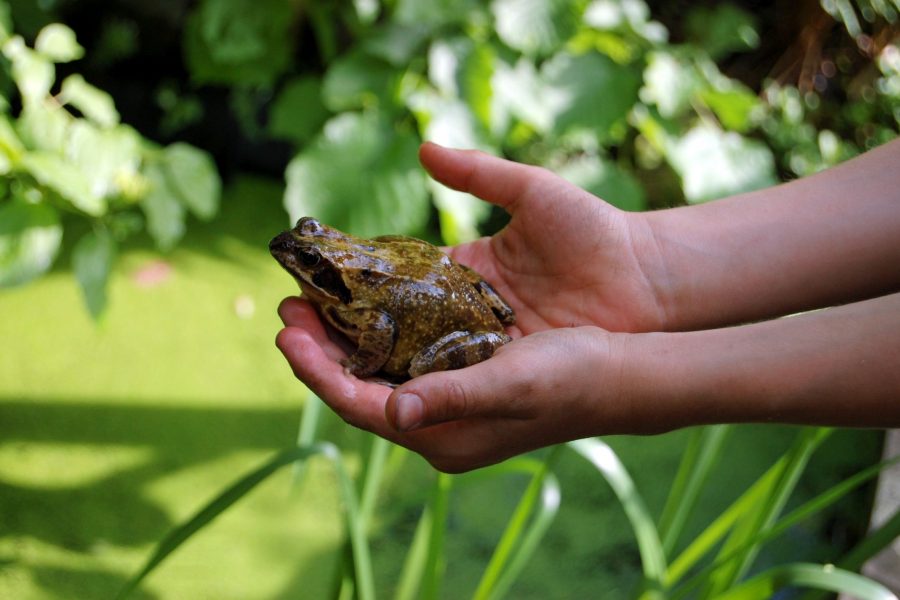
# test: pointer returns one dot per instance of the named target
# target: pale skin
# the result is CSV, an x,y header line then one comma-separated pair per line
x,y
647,322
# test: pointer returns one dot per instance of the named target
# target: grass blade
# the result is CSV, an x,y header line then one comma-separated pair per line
x,y
217,506
809,508
362,561
760,518
434,563
509,551
600,455
824,577
416,559
872,544
699,458
306,435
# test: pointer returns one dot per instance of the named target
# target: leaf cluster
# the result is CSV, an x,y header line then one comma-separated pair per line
x,y
68,164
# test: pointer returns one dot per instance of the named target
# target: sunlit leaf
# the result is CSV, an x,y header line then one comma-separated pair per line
x,y
65,179
605,180
297,112
534,27
11,148
92,261
670,82
32,72
57,42
94,103
165,214
450,123
361,176
734,107
44,127
520,91
30,235
107,157
192,174
714,164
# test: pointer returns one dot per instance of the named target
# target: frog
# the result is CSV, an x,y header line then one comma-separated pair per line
x,y
407,307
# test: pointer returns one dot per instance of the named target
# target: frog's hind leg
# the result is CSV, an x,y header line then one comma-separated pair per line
x,y
376,341
456,350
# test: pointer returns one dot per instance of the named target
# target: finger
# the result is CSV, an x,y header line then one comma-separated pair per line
x,y
497,387
296,312
358,402
496,180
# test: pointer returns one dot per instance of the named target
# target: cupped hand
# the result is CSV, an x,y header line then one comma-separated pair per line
x,y
566,258
535,391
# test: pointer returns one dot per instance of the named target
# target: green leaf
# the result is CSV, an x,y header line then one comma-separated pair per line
x,y
6,26
605,180
242,42
715,164
824,577
298,112
535,27
193,176
33,74
43,126
434,13
722,30
92,261
670,82
589,92
11,147
57,42
30,235
358,80
165,214
361,176
94,103
735,107
396,43
65,179
109,158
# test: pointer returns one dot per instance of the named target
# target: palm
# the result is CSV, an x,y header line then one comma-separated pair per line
x,y
565,259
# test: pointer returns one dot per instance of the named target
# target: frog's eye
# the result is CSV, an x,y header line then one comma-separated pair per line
x,y
309,258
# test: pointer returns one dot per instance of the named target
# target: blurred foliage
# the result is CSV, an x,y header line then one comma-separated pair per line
x,y
593,89
67,160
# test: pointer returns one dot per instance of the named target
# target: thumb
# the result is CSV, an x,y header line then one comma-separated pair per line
x,y
447,396
496,180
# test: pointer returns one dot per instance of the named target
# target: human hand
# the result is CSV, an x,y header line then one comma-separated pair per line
x,y
566,258
535,391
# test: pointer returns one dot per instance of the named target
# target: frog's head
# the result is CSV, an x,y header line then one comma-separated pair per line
x,y
324,261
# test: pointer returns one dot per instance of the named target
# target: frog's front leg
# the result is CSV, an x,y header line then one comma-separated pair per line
x,y
491,297
456,350
374,333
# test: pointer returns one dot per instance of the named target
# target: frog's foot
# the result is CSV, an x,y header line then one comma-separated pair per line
x,y
457,350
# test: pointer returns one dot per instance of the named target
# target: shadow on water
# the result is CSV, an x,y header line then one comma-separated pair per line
x,y
113,510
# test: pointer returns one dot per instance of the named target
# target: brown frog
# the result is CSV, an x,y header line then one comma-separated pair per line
x,y
408,307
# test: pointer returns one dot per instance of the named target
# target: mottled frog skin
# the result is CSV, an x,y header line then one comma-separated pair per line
x,y
408,307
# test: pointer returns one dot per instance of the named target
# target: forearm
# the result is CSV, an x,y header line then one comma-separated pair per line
x,y
838,366
830,238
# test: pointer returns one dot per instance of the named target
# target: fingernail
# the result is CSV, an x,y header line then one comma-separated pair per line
x,y
409,412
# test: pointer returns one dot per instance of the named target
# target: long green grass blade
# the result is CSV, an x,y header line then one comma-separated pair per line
x,y
809,508
763,516
824,577
374,477
550,500
517,528
699,457
362,567
600,455
306,434
872,544
434,563
416,559
175,538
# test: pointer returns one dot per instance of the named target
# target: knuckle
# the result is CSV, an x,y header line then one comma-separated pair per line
x,y
457,402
